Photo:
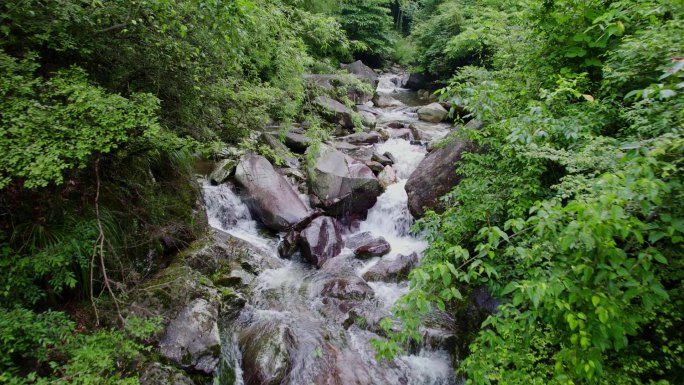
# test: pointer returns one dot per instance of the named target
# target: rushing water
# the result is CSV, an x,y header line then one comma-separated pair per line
x,y
286,300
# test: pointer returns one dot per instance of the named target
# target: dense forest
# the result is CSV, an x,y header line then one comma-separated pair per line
x,y
568,208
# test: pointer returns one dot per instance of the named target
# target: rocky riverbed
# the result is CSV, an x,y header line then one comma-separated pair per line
x,y
306,259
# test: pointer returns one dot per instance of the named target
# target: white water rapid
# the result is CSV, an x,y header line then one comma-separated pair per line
x,y
284,305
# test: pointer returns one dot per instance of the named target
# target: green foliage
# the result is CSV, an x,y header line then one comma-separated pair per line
x,y
369,27
49,126
571,214
48,339
450,34
47,263
404,51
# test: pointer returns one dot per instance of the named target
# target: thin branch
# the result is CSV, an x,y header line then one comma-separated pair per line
x,y
101,241
113,27
92,281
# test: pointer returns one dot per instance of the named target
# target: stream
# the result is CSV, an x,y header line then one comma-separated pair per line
x,y
288,328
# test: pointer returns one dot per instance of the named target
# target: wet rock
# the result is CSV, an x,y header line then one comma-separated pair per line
x,y
429,131
270,197
289,244
376,167
415,132
387,176
343,184
297,142
433,113
321,240
441,331
402,133
434,177
382,100
383,134
368,119
416,81
265,353
223,170
392,270
344,146
346,368
346,287
395,125
456,328
362,153
382,159
365,245
335,111
362,138
235,278
363,72
367,109
344,263
251,258
158,374
192,338
171,290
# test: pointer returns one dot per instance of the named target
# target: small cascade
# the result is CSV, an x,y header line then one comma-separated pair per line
x,y
227,212
389,83
407,156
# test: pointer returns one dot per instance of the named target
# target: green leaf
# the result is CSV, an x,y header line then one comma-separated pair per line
x,y
511,287
595,300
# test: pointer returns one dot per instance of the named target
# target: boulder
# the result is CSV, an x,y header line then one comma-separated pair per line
x,y
387,177
429,132
296,177
395,125
474,125
192,338
270,197
416,81
335,111
236,278
346,287
368,119
365,245
363,72
280,150
401,133
434,177
358,152
297,142
382,100
321,240
376,167
223,170
365,108
289,244
433,113
343,184
362,138
389,156
393,270
330,82
265,347
382,159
